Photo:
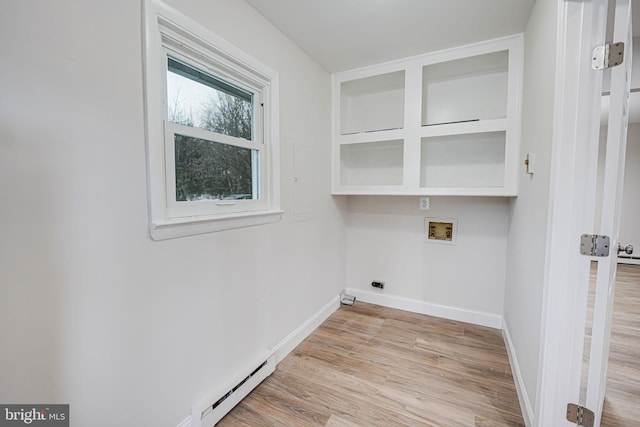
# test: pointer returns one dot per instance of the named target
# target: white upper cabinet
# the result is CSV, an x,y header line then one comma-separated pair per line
x,y
445,123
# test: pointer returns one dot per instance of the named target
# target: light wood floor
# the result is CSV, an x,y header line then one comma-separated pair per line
x,y
622,398
373,366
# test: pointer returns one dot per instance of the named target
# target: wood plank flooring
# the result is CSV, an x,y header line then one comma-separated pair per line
x,y
622,398
369,365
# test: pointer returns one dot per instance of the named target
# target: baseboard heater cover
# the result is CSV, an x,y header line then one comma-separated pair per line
x,y
208,412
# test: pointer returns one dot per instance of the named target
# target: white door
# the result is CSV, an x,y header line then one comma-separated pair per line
x,y
610,212
582,26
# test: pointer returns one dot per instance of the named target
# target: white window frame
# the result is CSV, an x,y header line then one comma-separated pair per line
x,y
167,32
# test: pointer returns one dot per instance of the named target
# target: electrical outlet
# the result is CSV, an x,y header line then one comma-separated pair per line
x,y
424,203
377,284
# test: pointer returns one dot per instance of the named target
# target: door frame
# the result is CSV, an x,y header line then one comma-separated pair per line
x,y
580,26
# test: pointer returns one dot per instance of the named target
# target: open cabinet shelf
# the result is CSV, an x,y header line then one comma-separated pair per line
x,y
372,163
458,161
445,123
465,90
374,103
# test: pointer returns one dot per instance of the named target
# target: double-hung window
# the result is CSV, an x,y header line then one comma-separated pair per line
x,y
212,142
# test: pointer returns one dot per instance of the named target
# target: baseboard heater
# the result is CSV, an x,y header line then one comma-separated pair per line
x,y
208,412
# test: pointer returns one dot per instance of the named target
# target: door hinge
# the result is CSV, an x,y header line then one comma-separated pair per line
x,y
594,245
607,56
580,415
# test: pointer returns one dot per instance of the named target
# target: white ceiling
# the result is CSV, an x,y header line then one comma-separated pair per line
x,y
345,34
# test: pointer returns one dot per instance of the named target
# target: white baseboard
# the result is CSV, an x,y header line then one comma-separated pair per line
x,y
422,307
303,331
523,396
629,261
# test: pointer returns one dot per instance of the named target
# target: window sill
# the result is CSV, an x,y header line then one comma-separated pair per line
x,y
182,227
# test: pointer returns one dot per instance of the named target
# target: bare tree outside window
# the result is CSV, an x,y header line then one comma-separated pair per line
x,y
208,170
228,115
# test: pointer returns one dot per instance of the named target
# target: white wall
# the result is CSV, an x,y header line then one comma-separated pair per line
x,y
527,230
630,224
92,312
385,241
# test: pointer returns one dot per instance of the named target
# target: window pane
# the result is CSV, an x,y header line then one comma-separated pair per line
x,y
197,99
207,170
